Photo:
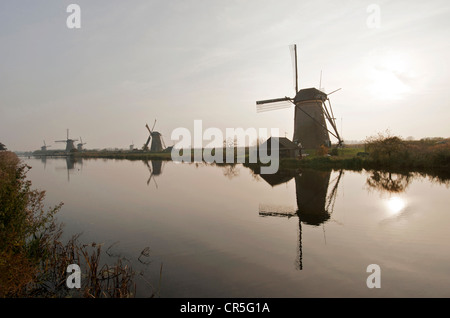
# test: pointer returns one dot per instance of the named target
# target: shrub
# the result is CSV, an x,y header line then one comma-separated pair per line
x,y
322,151
386,148
26,229
334,152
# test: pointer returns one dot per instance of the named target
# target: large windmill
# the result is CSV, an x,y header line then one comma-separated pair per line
x,y
157,141
80,145
44,147
311,113
69,143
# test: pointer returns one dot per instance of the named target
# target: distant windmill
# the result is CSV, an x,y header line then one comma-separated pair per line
x,y
157,141
44,147
311,113
80,145
69,143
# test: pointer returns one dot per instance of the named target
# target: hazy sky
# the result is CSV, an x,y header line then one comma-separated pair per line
x,y
177,61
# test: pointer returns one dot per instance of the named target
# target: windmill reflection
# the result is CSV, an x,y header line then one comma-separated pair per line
x,y
155,168
315,203
71,162
44,161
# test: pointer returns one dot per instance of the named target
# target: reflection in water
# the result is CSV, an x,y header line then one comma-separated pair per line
x,y
396,204
230,243
155,167
71,162
230,171
44,161
389,182
314,207
393,184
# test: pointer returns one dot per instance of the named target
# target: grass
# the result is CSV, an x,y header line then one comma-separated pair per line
x,y
33,258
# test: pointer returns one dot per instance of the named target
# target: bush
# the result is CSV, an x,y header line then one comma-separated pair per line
x,y
322,151
26,229
385,149
334,152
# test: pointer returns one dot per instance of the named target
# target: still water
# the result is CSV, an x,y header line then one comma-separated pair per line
x,y
225,231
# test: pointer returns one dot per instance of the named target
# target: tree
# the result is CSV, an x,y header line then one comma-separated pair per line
x,y
2,147
386,147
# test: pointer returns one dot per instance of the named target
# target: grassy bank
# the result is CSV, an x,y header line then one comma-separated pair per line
x,y
381,152
384,153
33,258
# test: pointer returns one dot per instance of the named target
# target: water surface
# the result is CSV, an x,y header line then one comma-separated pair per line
x,y
225,231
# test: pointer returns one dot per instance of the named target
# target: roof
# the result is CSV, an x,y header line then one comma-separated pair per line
x,y
309,94
284,143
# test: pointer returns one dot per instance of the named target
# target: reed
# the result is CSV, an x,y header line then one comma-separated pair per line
x,y
33,258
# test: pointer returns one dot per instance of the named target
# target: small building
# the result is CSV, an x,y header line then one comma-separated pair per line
x,y
286,148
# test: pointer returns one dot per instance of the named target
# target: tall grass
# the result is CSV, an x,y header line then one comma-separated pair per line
x,y
34,260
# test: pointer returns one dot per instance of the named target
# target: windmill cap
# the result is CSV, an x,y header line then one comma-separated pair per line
x,y
309,94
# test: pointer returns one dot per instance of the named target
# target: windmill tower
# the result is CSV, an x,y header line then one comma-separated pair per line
x,y
311,113
69,143
44,147
80,145
157,141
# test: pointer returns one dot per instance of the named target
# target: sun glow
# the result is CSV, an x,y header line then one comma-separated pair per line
x,y
388,76
395,205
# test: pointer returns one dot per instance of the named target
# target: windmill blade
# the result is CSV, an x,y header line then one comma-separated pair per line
x,y
333,123
277,210
334,91
268,101
148,141
154,125
293,50
148,128
273,106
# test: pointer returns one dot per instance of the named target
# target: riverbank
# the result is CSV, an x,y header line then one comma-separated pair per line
x,y
34,261
385,153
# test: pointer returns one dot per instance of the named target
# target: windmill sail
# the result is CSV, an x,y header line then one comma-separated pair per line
x,y
293,50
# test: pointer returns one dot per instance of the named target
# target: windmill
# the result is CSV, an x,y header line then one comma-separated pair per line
x,y
44,147
69,143
80,145
157,141
311,113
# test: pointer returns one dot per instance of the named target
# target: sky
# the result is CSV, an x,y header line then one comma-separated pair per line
x,y
132,62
